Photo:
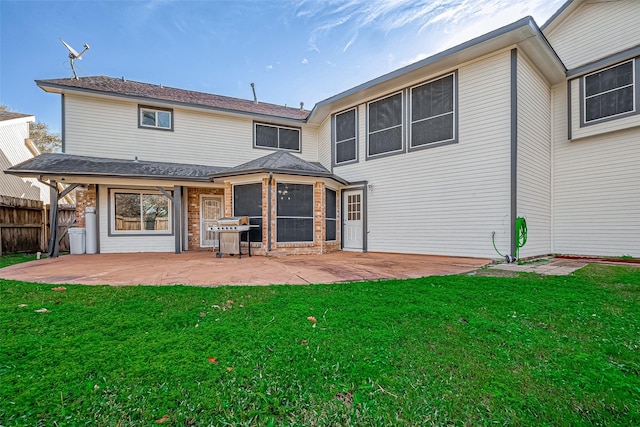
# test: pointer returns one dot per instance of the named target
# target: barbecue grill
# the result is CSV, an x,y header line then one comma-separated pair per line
x,y
230,230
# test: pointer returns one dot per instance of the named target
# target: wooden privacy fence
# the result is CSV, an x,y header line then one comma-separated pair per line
x,y
24,225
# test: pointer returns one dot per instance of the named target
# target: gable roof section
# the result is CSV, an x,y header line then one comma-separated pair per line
x,y
560,15
6,116
280,162
146,92
57,164
524,33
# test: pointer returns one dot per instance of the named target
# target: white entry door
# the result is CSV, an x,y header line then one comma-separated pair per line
x,y
352,220
210,211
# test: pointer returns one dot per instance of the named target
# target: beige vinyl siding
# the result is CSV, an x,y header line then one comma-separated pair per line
x,y
534,157
325,142
12,152
608,125
446,200
127,244
596,191
596,30
109,128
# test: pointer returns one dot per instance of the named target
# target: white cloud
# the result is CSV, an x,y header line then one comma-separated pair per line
x,y
464,19
269,67
305,61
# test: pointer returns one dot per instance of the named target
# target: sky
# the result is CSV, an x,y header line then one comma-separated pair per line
x,y
293,50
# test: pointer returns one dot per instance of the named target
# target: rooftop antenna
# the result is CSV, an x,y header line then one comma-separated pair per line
x,y
73,55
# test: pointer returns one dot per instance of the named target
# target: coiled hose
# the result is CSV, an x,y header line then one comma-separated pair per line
x,y
521,239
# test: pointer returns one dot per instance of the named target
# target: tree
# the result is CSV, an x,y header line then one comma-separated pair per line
x,y
43,138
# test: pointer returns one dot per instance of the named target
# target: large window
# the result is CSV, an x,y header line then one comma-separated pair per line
x,y
432,112
609,92
295,213
247,201
331,222
346,147
155,118
140,211
277,137
385,126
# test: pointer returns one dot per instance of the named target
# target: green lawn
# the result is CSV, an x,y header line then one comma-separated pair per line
x,y
455,350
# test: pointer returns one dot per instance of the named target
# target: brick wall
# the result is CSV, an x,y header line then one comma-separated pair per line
x,y
193,214
84,199
318,246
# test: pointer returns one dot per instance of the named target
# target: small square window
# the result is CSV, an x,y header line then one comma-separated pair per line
x,y
155,118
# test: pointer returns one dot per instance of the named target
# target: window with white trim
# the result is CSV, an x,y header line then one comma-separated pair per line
x,y
609,92
432,112
139,211
155,118
276,137
294,212
344,132
384,126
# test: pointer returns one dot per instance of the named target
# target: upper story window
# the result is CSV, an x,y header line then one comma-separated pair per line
x,y
609,92
276,137
346,146
385,126
432,112
155,118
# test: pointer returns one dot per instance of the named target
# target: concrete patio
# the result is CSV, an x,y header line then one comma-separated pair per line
x,y
204,269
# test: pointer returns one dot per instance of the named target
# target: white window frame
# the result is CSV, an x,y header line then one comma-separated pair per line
x,y
336,141
141,192
453,112
155,110
401,126
278,127
614,116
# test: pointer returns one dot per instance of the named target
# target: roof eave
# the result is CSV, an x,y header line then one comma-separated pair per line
x,y
34,174
61,89
568,7
278,171
523,32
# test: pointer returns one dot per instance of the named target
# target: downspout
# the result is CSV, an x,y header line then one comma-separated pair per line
x,y
269,211
514,150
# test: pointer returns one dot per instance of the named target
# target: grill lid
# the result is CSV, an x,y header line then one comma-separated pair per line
x,y
233,220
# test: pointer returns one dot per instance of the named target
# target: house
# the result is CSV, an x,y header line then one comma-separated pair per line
x,y
16,147
440,157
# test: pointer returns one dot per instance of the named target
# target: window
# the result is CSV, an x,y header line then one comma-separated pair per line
x,y
247,201
609,92
295,213
155,118
385,125
277,137
331,222
432,112
345,137
140,211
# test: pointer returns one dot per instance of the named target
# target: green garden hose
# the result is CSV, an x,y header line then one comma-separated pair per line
x,y
521,234
521,239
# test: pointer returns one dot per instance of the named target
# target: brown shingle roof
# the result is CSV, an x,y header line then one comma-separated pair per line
x,y
122,87
10,115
